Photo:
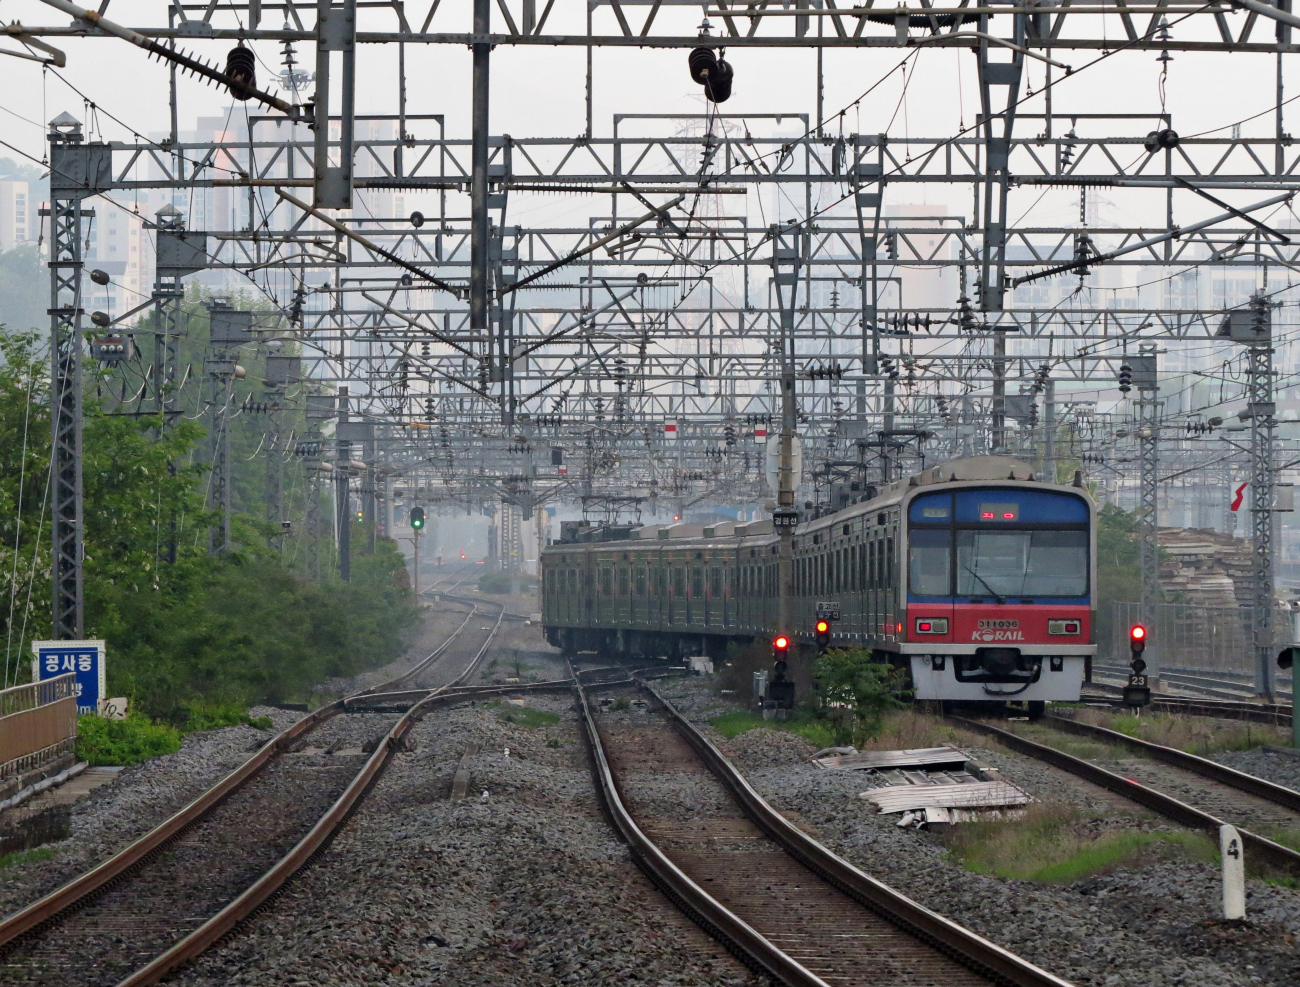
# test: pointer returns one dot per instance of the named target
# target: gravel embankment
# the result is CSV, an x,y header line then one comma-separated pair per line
x,y
1154,925
1276,766
141,797
521,883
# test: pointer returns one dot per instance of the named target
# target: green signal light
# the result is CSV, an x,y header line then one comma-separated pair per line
x,y
417,518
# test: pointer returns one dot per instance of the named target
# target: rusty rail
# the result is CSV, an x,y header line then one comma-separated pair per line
x,y
48,908
704,909
969,948
1171,808
1204,767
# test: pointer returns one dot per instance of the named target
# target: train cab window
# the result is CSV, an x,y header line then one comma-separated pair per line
x,y
929,562
640,581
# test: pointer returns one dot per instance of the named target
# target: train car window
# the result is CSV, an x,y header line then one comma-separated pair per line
x,y
679,582
623,588
640,581
890,572
697,583
1022,563
606,582
853,568
929,562
715,582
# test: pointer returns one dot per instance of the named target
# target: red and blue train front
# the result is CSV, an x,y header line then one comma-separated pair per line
x,y
999,590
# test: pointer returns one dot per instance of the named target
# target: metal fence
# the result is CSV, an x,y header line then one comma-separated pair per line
x,y
1180,635
35,720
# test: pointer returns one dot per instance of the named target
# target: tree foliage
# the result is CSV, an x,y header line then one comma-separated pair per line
x,y
856,691
186,631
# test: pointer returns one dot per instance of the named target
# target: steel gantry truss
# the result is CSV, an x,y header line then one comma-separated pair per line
x,y
465,347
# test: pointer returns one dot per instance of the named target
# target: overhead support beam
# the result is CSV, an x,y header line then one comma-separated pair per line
x,y
93,20
336,27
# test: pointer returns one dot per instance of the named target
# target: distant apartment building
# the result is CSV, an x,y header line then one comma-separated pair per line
x,y
119,245
17,219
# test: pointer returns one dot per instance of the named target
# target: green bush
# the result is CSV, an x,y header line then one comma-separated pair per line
x,y
107,743
855,693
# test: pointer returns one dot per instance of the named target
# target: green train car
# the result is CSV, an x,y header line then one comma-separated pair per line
x,y
973,576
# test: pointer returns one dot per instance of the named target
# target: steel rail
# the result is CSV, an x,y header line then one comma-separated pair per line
x,y
1276,714
1278,794
722,923
310,845
51,906
1171,808
967,947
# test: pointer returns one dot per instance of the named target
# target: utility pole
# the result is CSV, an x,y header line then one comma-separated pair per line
x,y
1145,379
479,232
787,252
1253,327
342,506
75,172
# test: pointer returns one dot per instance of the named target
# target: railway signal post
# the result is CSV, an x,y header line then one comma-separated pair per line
x,y
780,690
1138,690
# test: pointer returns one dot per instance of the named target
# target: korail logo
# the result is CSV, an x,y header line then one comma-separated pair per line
x,y
997,630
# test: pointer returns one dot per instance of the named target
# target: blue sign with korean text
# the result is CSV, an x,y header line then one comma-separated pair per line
x,y
84,658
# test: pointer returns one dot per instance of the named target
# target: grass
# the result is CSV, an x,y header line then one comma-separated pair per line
x,y
124,742
1055,844
213,716
20,857
1201,735
817,732
526,716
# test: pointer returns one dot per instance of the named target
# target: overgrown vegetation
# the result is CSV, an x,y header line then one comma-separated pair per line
x,y
1194,734
193,639
20,858
1052,843
854,693
802,723
124,742
526,716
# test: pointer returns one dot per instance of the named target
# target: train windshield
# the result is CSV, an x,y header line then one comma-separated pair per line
x,y
1022,563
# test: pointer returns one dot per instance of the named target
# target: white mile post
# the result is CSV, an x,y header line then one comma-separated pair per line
x,y
1234,873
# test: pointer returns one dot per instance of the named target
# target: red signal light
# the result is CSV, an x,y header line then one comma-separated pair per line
x,y
781,643
823,626
1138,632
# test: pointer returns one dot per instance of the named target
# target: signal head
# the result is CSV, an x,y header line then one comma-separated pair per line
x,y
781,642
1137,639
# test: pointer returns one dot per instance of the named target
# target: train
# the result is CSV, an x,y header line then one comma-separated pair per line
x,y
973,577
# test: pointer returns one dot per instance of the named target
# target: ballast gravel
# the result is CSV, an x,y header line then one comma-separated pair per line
x,y
1282,767
1156,925
522,882
141,797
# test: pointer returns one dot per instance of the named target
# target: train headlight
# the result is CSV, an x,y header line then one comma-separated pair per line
x,y
932,625
1064,627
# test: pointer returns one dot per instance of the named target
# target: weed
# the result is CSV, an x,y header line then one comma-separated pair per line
x,y
620,704
524,716
1194,734
1055,844
817,732
212,716
20,857
552,741
124,742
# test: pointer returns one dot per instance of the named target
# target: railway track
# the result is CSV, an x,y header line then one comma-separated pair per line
x,y
774,896
1189,790
1278,714
172,893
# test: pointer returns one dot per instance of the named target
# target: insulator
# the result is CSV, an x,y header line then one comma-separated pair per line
x,y
241,67
713,73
